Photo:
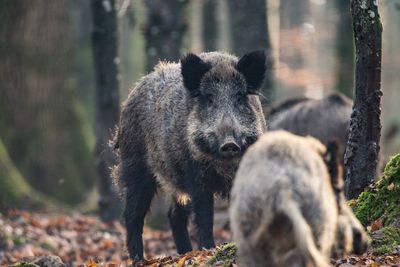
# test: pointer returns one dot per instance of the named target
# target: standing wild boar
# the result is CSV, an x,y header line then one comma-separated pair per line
x,y
184,128
325,119
287,205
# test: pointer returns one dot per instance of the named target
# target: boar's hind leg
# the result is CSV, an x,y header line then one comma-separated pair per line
x,y
178,215
141,187
203,208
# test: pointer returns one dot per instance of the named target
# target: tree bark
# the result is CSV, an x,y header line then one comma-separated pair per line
x,y
209,21
105,43
294,13
344,49
164,31
361,157
293,16
250,32
42,118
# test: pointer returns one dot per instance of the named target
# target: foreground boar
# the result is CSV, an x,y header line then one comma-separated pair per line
x,y
184,128
288,207
325,119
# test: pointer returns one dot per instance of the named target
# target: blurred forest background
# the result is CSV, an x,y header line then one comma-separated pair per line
x,y
48,84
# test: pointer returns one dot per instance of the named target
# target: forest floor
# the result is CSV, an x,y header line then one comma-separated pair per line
x,y
83,240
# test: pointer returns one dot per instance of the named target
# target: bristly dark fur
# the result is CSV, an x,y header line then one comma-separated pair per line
x,y
193,69
334,98
286,105
326,119
252,66
338,99
184,128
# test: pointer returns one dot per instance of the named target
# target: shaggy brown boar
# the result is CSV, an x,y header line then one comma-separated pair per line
x,y
288,207
184,128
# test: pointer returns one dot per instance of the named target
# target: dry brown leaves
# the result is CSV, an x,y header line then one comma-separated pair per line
x,y
81,240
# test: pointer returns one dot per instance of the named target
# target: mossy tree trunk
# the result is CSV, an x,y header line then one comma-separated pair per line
x,y
15,192
43,122
13,187
104,41
249,29
361,157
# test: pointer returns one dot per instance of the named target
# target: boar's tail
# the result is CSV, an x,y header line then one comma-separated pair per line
x,y
303,235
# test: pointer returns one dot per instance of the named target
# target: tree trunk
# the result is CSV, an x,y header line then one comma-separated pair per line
x,y
43,122
104,41
252,34
344,50
209,22
164,31
196,26
14,189
294,13
361,157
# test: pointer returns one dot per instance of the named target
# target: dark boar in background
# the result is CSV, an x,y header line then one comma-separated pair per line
x,y
326,119
184,128
288,206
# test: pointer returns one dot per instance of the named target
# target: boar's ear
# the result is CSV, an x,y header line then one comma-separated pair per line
x,y
252,66
193,69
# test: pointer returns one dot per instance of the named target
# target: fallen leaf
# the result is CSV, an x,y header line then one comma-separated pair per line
x,y
181,262
91,263
390,187
376,225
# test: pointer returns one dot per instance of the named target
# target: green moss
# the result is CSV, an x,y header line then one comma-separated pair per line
x,y
386,240
15,191
381,200
226,254
12,184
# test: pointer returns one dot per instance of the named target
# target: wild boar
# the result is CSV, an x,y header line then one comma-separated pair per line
x,y
287,204
184,129
325,119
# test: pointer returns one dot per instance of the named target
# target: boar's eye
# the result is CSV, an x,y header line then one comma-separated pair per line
x,y
240,97
209,98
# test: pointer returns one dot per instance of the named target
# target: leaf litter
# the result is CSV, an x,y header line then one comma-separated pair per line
x,y
83,240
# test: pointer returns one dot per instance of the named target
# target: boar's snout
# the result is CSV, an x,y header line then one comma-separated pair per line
x,y
360,241
229,149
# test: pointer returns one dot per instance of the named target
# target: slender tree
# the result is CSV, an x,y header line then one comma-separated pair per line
x,y
164,30
250,32
361,157
344,49
209,25
104,42
294,15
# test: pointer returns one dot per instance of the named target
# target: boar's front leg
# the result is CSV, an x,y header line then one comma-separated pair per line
x,y
178,216
141,187
203,208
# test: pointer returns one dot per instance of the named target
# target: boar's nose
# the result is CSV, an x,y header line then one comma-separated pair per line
x,y
229,149
360,243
